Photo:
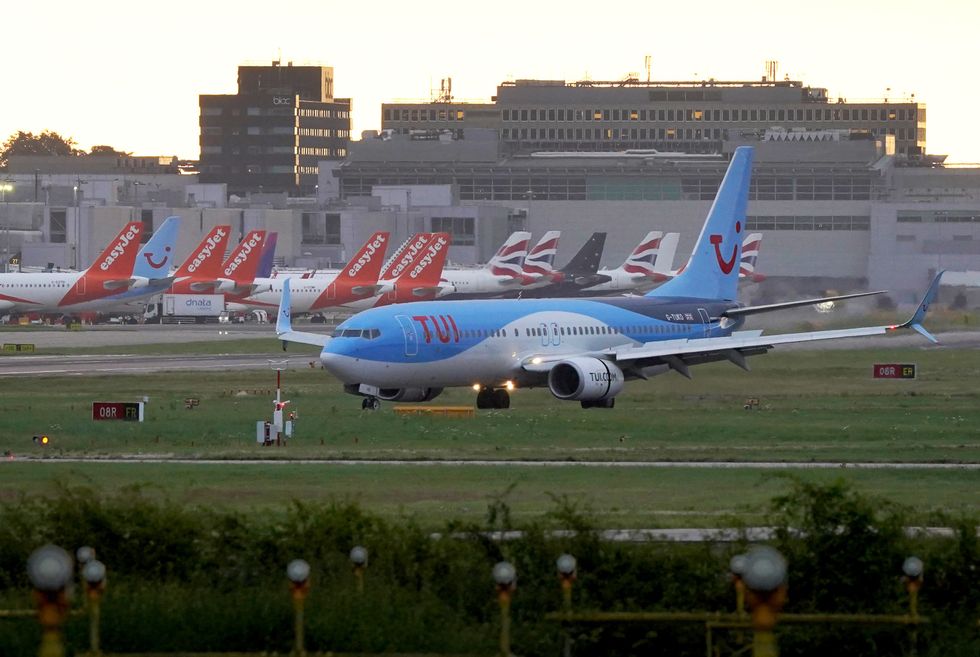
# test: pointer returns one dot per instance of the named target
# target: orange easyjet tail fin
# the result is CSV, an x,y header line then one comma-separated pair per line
x,y
243,263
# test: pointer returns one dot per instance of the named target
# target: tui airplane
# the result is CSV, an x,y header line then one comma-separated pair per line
x,y
582,349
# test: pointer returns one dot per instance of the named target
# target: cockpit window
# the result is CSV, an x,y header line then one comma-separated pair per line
x,y
367,334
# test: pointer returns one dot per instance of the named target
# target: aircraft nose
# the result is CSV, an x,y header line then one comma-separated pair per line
x,y
336,361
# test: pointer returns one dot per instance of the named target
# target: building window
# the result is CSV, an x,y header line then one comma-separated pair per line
x,y
321,228
462,229
58,232
146,216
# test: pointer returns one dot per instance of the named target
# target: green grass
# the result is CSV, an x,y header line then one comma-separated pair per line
x,y
262,343
620,497
814,406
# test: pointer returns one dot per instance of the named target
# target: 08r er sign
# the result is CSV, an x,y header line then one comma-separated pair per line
x,y
124,411
893,371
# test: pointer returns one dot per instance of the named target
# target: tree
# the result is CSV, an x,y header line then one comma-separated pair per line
x,y
46,143
106,150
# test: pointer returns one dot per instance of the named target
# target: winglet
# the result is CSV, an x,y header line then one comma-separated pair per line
x,y
284,322
915,322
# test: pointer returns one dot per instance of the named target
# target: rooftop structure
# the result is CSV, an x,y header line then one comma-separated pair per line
x,y
688,116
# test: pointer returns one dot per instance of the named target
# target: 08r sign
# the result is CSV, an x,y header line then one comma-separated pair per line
x,y
124,411
893,371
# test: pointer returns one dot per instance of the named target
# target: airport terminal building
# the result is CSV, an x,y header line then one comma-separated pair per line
x,y
846,200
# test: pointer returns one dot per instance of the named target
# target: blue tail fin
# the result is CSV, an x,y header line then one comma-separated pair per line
x,y
157,255
712,271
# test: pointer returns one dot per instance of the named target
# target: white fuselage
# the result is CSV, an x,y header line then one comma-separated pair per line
x,y
460,283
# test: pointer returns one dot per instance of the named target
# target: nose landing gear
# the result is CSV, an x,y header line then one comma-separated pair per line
x,y
370,404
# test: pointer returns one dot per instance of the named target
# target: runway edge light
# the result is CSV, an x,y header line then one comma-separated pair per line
x,y
42,439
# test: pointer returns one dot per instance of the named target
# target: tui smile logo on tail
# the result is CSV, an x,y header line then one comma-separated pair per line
x,y
149,259
726,266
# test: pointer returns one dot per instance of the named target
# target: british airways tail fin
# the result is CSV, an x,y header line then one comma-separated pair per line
x,y
540,260
642,258
750,255
665,255
509,258
155,258
712,271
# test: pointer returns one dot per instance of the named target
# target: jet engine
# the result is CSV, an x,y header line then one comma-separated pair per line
x,y
585,379
409,394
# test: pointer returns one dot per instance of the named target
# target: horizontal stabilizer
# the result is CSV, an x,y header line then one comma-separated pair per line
x,y
367,290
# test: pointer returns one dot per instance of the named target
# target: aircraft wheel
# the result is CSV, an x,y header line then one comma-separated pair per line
x,y
364,403
501,399
375,404
484,398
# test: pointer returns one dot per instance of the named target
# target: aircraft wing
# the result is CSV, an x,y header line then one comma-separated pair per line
x,y
680,354
755,310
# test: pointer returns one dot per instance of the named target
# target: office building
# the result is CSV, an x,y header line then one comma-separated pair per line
x,y
690,117
270,135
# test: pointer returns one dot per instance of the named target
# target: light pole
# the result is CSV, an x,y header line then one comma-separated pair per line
x,y
765,581
359,561
77,190
505,576
50,569
298,572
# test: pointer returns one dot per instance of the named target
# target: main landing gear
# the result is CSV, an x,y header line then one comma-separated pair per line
x,y
370,404
490,398
602,403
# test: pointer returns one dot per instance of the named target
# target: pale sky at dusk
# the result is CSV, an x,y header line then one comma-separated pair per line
x,y
128,74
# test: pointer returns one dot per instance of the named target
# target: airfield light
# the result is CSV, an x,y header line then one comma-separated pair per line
x,y
42,439
298,572
765,580
737,566
359,560
912,567
49,569
84,554
93,574
505,577
567,572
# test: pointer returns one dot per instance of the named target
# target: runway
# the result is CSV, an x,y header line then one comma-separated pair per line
x,y
23,366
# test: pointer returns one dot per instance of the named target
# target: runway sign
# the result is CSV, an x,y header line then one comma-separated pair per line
x,y
893,371
125,411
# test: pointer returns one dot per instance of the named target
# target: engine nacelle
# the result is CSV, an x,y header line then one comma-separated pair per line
x,y
409,394
585,379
